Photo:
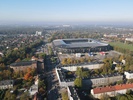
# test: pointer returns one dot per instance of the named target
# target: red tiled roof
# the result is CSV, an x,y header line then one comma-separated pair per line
x,y
112,88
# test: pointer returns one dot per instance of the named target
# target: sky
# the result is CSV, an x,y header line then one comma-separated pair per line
x,y
12,11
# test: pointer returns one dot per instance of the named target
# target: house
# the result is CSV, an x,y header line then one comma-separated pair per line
x,y
22,66
111,90
129,75
6,84
33,89
33,58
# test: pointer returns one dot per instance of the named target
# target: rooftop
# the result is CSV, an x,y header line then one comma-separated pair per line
x,y
73,93
64,77
6,82
24,63
112,88
74,43
105,76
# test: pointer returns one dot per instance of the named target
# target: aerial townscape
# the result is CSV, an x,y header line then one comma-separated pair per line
x,y
66,50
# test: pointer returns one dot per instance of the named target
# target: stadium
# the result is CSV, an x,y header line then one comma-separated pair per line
x,y
80,45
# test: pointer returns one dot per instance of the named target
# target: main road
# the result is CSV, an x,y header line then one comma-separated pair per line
x,y
52,81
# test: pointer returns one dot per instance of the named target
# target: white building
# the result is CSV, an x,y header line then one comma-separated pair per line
x,y
129,39
78,54
1,54
72,94
105,80
88,66
111,90
129,75
6,84
38,33
33,89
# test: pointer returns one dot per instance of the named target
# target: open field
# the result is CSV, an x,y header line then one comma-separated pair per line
x,y
122,45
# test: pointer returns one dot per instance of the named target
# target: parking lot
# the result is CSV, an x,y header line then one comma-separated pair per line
x,y
96,55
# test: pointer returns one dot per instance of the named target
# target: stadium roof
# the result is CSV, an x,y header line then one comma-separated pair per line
x,y
76,43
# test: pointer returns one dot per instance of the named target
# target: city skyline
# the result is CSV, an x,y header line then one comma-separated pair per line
x,y
39,11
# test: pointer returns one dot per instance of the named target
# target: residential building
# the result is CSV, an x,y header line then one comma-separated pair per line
x,y
38,33
105,79
33,89
99,80
129,75
87,65
111,90
22,66
6,84
110,35
72,94
129,39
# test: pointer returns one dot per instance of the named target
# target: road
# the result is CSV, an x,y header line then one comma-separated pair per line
x,y
52,81
49,70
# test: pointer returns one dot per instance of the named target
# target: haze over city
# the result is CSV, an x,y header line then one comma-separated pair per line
x,y
66,50
65,11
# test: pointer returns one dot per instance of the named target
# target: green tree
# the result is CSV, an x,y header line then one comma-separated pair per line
x,y
24,96
105,97
65,96
78,82
79,72
9,96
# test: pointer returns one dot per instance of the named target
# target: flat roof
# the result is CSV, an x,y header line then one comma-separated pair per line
x,y
79,42
23,63
6,82
73,93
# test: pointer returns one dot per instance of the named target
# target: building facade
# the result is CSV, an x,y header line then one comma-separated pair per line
x,y
111,90
88,66
22,66
129,75
6,84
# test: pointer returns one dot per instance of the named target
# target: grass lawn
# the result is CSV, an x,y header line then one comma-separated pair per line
x,y
122,45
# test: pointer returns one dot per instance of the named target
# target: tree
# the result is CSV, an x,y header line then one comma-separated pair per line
x,y
85,74
129,92
105,97
24,96
42,55
18,60
78,82
9,96
28,77
82,60
65,96
79,72
64,61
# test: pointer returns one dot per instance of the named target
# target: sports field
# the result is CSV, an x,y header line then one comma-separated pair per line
x,y
122,45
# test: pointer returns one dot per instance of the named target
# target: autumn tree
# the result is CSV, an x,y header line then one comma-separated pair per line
x,y
78,82
64,61
64,95
28,76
